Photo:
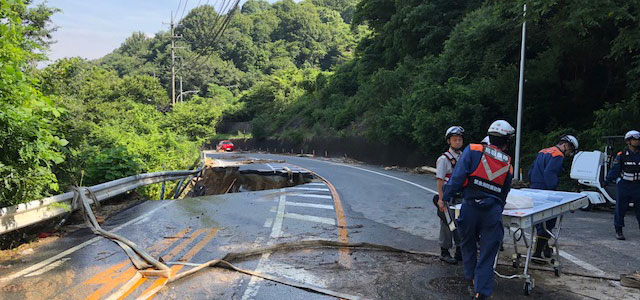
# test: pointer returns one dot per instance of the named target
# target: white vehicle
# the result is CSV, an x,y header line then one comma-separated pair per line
x,y
590,168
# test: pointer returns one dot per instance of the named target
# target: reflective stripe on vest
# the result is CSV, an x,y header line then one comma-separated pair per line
x,y
453,162
630,169
492,171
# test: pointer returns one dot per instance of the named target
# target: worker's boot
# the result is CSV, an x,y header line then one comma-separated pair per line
x,y
446,256
479,296
458,254
619,234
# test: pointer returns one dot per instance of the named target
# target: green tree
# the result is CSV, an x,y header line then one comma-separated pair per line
x,y
36,21
29,145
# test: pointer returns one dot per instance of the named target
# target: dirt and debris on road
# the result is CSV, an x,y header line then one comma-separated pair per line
x,y
20,244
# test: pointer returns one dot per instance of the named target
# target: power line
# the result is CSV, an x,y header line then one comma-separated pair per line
x,y
220,24
183,9
198,27
220,30
179,4
198,5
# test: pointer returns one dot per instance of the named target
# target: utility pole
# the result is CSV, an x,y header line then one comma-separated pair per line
x,y
172,27
180,89
516,176
173,63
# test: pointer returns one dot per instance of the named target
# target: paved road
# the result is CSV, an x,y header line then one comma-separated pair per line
x,y
400,201
374,205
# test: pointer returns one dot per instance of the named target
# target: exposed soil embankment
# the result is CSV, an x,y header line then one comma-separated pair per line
x,y
224,177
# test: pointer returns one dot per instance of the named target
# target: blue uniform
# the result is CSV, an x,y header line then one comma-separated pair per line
x,y
544,176
628,187
480,219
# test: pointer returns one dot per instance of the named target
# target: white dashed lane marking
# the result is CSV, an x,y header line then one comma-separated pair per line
x,y
310,218
310,189
311,196
312,205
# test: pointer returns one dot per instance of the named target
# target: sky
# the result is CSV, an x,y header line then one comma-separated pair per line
x,y
94,28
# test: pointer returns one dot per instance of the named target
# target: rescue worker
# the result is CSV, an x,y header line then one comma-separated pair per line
x,y
483,174
543,175
454,136
626,170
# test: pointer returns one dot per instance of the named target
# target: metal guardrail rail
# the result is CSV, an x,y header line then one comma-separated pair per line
x,y
25,214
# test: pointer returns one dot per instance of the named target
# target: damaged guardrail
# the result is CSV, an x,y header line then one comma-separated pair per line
x,y
25,214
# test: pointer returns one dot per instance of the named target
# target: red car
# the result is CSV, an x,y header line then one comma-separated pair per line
x,y
225,146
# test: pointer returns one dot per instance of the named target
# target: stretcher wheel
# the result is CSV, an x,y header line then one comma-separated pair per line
x,y
556,267
528,287
515,262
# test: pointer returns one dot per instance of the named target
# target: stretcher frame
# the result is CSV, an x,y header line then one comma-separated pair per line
x,y
517,222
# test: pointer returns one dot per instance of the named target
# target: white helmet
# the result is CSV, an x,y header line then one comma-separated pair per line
x,y
571,139
485,140
501,128
454,130
633,134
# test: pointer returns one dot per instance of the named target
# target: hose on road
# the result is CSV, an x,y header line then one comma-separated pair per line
x,y
140,258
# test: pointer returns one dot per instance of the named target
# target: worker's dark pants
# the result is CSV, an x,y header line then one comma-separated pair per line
x,y
551,224
627,192
483,226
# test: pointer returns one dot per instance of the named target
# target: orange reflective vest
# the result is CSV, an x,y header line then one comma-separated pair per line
x,y
492,170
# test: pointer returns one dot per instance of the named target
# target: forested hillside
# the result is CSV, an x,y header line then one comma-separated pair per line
x,y
385,69
269,57
429,64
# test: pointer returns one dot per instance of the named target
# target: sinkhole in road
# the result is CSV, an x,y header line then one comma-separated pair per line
x,y
222,179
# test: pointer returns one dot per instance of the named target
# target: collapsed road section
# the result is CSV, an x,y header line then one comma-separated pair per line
x,y
239,174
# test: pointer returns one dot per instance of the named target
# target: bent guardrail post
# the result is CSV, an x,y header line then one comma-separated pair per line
x,y
25,214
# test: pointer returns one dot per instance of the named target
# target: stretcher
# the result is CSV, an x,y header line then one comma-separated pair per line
x,y
521,222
